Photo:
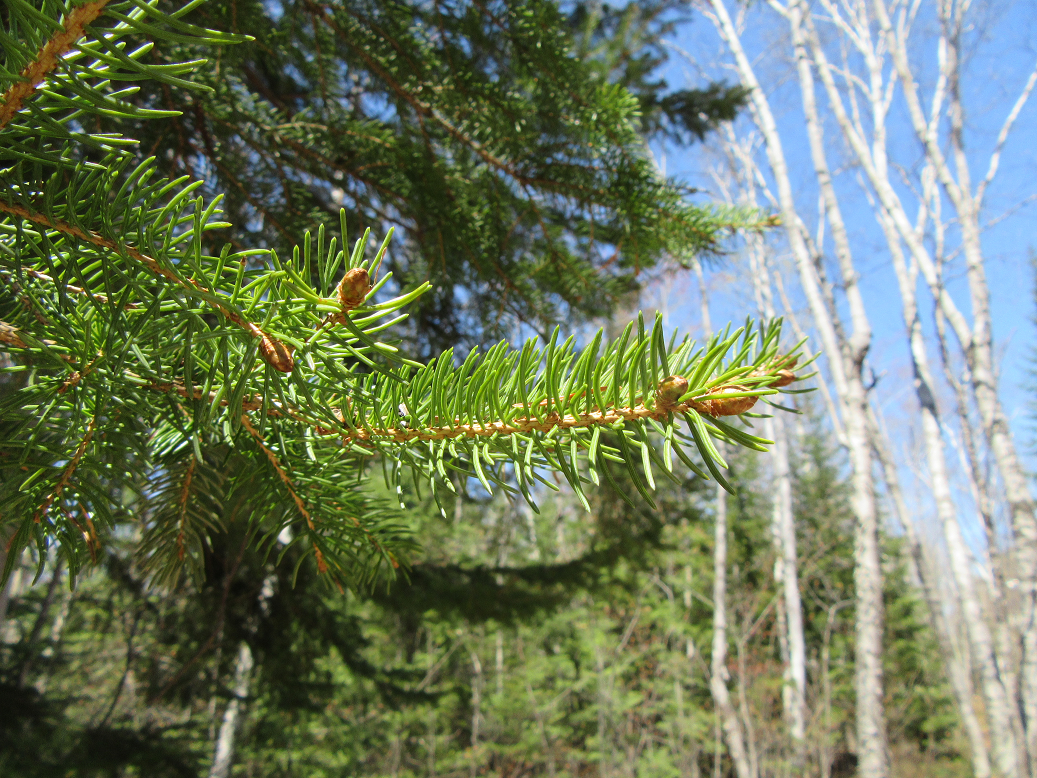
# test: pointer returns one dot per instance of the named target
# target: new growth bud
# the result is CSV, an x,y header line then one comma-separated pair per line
x,y
784,373
276,354
670,390
725,406
353,288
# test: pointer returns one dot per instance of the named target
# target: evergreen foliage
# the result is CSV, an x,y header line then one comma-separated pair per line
x,y
150,353
509,157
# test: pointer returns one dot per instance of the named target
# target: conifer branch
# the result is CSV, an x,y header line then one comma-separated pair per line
x,y
66,476
76,290
727,400
186,378
185,493
322,566
73,380
274,352
36,71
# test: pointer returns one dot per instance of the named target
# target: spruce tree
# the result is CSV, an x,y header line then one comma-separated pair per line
x,y
503,141
154,341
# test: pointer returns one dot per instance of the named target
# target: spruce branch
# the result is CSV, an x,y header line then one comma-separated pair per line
x,y
185,494
66,476
36,71
727,400
40,276
276,354
322,566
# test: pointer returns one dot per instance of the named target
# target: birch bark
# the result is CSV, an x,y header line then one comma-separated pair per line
x,y
786,573
982,645
957,663
854,23
719,676
223,757
728,719
846,368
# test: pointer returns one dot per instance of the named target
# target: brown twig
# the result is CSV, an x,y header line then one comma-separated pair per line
x,y
73,380
96,296
67,475
47,59
270,455
185,492
717,405
322,566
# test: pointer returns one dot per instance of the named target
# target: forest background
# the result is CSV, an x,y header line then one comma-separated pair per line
x,y
637,640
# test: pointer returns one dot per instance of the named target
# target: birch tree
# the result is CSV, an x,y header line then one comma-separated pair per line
x,y
846,355
867,56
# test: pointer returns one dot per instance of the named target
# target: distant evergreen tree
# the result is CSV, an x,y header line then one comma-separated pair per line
x,y
508,155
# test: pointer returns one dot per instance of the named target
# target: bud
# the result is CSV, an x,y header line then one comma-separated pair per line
x,y
276,354
785,377
726,406
11,336
353,288
670,390
785,362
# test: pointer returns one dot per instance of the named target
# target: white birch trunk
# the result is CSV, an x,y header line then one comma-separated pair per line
x,y
719,675
786,537
477,683
981,642
223,757
976,340
958,663
846,366
499,661
783,528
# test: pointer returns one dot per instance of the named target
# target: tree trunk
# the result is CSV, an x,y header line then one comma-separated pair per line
x,y
476,709
975,340
846,366
783,530
957,663
719,676
785,527
981,642
499,661
224,755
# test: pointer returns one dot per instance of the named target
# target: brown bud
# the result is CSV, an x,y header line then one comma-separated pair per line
x,y
726,406
670,390
11,336
276,354
353,288
785,362
785,377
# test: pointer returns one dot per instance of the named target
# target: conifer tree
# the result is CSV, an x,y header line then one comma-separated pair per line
x,y
508,156
153,341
